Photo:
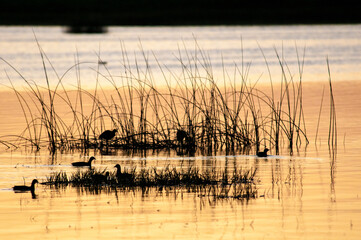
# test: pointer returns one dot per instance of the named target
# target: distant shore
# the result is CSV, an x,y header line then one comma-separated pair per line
x,y
187,12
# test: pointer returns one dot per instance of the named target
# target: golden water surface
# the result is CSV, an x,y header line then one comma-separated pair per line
x,y
310,195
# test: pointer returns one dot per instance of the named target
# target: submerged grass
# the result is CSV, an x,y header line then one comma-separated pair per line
x,y
232,116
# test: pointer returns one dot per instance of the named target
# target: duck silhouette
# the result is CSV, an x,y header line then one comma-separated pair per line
x,y
23,188
263,154
122,176
83,164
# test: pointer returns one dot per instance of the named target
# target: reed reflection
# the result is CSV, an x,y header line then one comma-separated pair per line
x,y
333,165
286,179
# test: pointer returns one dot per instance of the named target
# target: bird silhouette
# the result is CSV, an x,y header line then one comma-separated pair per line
x,y
181,135
263,154
83,164
23,188
122,176
107,134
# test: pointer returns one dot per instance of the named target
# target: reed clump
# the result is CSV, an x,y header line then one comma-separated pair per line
x,y
231,116
240,184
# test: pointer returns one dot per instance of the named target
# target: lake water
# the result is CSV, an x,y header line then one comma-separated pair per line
x,y
313,194
223,47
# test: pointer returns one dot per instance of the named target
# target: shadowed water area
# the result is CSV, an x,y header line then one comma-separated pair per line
x,y
309,193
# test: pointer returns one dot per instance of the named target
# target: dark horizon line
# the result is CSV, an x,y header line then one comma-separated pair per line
x,y
176,13
177,23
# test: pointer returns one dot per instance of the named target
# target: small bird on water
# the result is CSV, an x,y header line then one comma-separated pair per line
x,y
83,164
122,175
23,188
263,154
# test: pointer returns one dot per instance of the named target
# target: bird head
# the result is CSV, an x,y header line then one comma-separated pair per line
x,y
91,159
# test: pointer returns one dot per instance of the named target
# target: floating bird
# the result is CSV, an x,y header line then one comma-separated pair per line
x,y
122,176
26,188
181,135
83,164
101,62
263,154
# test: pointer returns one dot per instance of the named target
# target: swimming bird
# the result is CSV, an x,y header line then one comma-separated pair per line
x,y
122,176
23,188
107,134
101,62
263,154
83,164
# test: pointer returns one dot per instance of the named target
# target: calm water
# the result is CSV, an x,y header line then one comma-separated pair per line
x,y
222,46
310,195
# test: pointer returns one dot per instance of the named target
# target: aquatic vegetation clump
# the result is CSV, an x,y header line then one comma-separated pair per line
x,y
240,184
57,179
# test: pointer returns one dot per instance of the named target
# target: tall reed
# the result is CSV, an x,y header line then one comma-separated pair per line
x,y
233,115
